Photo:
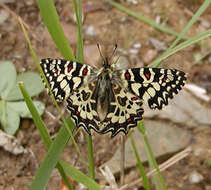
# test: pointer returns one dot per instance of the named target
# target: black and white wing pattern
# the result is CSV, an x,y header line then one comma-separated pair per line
x,y
69,81
82,107
124,111
84,89
154,85
65,76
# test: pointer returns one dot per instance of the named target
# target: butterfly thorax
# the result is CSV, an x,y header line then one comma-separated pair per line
x,y
104,90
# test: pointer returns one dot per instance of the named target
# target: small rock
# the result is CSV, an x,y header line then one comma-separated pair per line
x,y
160,46
90,30
122,63
137,45
195,177
149,55
11,144
208,187
133,51
123,19
134,2
183,109
163,138
4,15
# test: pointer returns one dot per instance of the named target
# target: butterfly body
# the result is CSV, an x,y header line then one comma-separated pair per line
x,y
110,100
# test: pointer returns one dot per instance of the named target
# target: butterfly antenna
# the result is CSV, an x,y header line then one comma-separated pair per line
x,y
115,48
98,46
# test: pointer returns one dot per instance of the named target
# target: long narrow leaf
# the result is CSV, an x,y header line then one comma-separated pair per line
x,y
144,19
51,159
51,20
181,46
51,94
36,117
78,12
42,129
139,164
195,17
80,177
151,157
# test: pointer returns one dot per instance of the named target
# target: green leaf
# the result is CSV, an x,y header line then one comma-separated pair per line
x,y
51,159
33,84
140,165
80,177
12,120
40,181
22,109
7,78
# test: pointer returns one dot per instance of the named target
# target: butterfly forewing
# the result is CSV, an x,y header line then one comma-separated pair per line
x,y
64,76
154,85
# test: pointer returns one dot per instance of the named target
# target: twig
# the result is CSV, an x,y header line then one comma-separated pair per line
x,y
163,166
122,161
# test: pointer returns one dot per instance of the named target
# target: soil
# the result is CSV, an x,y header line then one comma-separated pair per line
x,y
110,26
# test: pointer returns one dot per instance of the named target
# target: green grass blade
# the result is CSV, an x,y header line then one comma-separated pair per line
x,y
195,17
36,117
41,128
91,170
51,20
140,165
144,19
51,159
181,46
151,158
80,177
78,13
51,94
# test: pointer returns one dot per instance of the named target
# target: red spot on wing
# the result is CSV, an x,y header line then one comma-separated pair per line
x,y
77,112
134,98
85,71
56,70
69,69
127,76
147,75
129,120
107,119
164,79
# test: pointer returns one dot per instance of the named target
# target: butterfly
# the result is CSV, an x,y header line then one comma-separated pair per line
x,y
108,99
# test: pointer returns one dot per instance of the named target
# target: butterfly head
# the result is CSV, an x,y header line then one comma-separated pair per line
x,y
106,64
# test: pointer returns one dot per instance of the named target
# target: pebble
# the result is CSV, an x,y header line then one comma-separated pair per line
x,y
134,2
133,51
90,30
4,15
137,45
122,63
160,46
195,177
149,55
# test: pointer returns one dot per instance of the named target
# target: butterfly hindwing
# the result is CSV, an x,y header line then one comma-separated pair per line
x,y
154,85
64,76
123,112
82,106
